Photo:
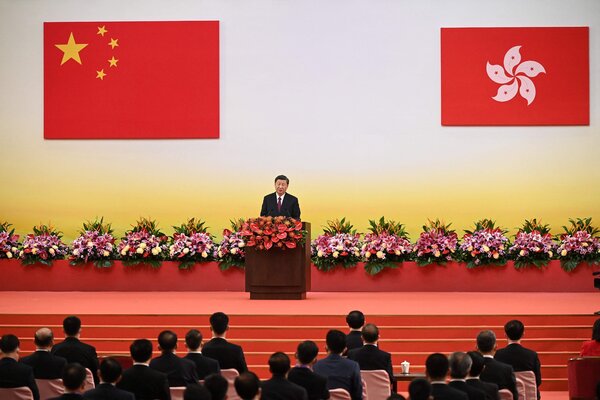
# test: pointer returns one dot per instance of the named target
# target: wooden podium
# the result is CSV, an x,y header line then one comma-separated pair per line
x,y
279,274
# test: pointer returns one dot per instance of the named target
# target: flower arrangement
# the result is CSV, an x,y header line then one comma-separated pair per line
x,y
386,245
533,245
230,252
485,245
95,243
436,244
9,242
264,233
191,243
579,243
144,243
339,244
42,246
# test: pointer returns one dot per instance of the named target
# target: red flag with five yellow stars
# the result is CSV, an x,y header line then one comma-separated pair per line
x,y
131,80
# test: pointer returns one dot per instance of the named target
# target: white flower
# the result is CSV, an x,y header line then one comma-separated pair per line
x,y
241,244
320,253
140,250
367,254
437,253
233,251
550,254
186,250
106,253
485,248
143,245
123,252
335,254
90,244
397,252
155,251
204,254
220,254
55,247
563,252
340,247
380,254
34,251
126,249
75,252
51,251
8,254
14,249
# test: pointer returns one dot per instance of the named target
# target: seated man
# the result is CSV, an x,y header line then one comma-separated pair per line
x,y
355,320
436,369
495,371
204,365
303,375
340,372
229,355
45,365
110,373
247,386
490,389
74,350
369,357
180,371
278,387
12,373
141,380
74,382
217,385
460,365
196,392
419,389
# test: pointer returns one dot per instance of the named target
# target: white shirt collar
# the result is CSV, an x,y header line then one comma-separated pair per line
x,y
141,363
195,352
488,356
278,196
46,350
438,382
457,380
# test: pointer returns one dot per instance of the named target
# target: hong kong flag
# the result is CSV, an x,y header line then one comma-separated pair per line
x,y
131,80
515,76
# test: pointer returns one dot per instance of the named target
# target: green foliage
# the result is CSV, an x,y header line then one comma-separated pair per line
x,y
46,230
97,225
336,226
191,226
390,227
224,265
536,262
376,267
329,264
148,225
236,224
154,263
581,224
437,225
5,226
484,224
535,225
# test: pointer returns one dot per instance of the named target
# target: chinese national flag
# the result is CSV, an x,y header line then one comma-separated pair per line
x,y
131,80
515,76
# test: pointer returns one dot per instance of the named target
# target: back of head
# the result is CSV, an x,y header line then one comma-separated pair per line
x,y
396,396
370,333
43,338
279,363
73,376
71,325
436,367
307,351
477,363
9,343
486,341
247,385
355,319
216,385
110,370
514,329
193,339
596,331
419,389
460,365
167,340
141,350
219,322
336,341
196,392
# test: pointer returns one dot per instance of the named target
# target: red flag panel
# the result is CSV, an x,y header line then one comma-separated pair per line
x,y
131,80
515,76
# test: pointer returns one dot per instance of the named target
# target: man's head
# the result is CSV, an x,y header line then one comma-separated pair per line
x,y
436,367
73,377
486,342
460,365
419,389
514,330
219,323
281,184
196,392
477,364
307,352
9,346
141,350
216,385
167,341
72,325
355,319
110,370
336,341
279,363
44,338
193,339
247,385
370,333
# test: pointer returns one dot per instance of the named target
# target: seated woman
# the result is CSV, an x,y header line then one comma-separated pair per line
x,y
592,347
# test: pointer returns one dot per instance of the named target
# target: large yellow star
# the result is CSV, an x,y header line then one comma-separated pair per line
x,y
100,74
102,30
71,50
113,62
113,43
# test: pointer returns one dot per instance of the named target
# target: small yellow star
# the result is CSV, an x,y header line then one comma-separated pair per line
x,y
113,43
100,74
113,62
71,50
102,30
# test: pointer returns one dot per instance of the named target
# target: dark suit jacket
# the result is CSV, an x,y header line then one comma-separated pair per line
x,y
45,365
74,350
501,374
441,391
14,374
289,207
145,383
473,393
106,391
227,354
180,371
370,357
521,359
279,388
204,365
490,389
68,396
315,384
353,340
341,373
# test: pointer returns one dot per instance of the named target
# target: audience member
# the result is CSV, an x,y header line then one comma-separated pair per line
x,y
490,389
460,365
247,386
303,375
591,348
217,386
278,387
419,389
495,371
396,396
196,392
369,357
228,355
12,373
73,377
204,365
45,364
340,372
74,350
355,320
180,371
436,369
141,380
110,372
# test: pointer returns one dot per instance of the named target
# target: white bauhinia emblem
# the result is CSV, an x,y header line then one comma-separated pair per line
x,y
514,77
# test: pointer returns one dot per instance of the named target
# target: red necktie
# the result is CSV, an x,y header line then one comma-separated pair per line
x,y
278,203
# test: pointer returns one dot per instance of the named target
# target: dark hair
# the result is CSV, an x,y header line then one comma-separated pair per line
x,y
419,389
336,341
43,337
436,366
167,340
514,329
71,325
193,339
370,333
307,351
141,350
110,370
596,331
9,343
279,363
478,363
486,340
396,396
196,392
282,178
247,385
216,385
355,319
219,322
73,376
460,365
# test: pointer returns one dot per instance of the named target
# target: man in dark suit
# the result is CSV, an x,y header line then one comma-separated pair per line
x,y
369,357
180,371
490,389
460,365
517,356
302,374
278,387
228,355
141,380
355,320
204,365
495,371
419,389
280,203
45,365
436,369
217,385
196,392
12,373
73,377
247,386
110,373
74,350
